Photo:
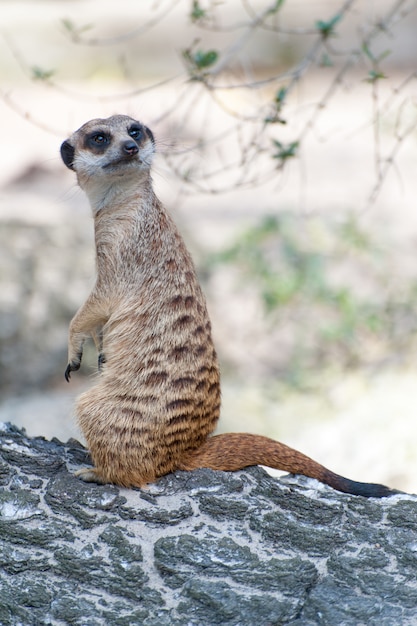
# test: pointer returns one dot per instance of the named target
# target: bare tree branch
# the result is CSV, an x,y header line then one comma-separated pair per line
x,y
257,109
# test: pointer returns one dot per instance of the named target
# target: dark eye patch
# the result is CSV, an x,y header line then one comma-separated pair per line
x,y
136,132
98,140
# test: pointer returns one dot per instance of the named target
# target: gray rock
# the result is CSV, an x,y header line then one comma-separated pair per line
x,y
203,548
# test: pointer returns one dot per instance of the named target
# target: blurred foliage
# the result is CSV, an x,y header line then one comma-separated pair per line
x,y
329,285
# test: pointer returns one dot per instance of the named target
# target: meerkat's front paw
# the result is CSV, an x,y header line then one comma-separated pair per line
x,y
90,475
72,366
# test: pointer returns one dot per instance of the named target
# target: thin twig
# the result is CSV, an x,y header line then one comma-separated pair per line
x,y
125,37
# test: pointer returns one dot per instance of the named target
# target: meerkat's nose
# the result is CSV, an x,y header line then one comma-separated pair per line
x,y
130,148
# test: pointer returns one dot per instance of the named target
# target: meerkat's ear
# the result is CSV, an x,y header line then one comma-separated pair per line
x,y
67,154
150,134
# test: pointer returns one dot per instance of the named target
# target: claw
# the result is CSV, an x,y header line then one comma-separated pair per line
x,y
101,361
71,367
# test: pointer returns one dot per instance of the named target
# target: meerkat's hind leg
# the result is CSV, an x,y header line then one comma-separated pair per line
x,y
91,475
94,475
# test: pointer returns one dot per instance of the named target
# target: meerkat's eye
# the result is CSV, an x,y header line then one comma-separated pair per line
x,y
135,132
97,141
100,139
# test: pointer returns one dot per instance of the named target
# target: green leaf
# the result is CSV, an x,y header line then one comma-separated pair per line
x,y
274,9
199,61
374,75
73,29
275,117
375,60
367,52
285,150
205,59
280,97
326,29
39,74
68,25
197,13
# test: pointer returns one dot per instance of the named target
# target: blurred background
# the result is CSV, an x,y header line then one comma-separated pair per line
x,y
286,137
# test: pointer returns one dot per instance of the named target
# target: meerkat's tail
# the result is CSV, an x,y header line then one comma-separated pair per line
x,y
234,451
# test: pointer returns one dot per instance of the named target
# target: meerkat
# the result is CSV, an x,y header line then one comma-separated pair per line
x,y
156,400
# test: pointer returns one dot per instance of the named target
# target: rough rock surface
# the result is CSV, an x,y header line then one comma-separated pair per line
x,y
201,548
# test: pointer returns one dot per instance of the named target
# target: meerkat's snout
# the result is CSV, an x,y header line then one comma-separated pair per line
x,y
130,148
122,153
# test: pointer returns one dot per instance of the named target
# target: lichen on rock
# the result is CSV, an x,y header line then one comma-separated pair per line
x,y
200,548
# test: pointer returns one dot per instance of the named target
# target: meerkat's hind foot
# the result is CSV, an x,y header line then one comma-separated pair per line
x,y
90,475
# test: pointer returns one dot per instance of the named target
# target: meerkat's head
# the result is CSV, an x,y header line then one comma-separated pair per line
x,y
109,155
